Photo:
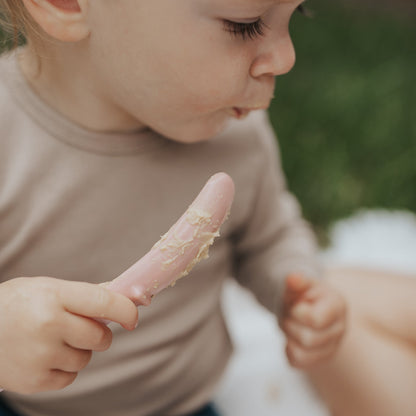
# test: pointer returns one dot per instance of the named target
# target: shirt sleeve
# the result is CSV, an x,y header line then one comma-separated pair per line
x,y
276,240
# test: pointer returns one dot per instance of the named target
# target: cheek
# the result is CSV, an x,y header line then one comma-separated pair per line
x,y
208,77
210,86
207,96
195,79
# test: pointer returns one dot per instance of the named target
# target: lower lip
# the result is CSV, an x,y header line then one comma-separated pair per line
x,y
239,113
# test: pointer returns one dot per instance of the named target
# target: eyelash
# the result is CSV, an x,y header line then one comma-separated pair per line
x,y
250,31
247,31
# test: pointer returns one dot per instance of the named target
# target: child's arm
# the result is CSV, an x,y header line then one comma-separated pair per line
x,y
46,332
276,243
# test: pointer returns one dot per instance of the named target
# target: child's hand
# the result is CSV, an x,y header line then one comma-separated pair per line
x,y
46,332
313,319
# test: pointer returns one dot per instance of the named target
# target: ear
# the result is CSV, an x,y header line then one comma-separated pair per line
x,y
64,20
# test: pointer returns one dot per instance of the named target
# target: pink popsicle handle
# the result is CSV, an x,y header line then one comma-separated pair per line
x,y
184,245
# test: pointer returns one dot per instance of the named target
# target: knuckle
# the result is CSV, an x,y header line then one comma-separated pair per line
x,y
46,321
46,316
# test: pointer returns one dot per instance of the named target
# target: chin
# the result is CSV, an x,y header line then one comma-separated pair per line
x,y
200,132
203,132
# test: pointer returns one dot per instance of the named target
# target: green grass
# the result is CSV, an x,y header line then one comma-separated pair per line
x,y
346,114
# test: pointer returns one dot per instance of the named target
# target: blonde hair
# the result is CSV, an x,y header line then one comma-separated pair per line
x,y
15,22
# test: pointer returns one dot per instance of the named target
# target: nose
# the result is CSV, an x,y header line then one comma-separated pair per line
x,y
277,57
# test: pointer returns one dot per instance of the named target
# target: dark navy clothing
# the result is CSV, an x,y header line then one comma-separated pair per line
x,y
208,410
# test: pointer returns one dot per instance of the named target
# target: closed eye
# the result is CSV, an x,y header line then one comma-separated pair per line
x,y
253,30
247,31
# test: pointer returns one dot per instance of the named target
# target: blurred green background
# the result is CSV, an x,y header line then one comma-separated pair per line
x,y
346,114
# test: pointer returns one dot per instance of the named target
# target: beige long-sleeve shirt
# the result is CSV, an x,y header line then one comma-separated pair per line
x,y
81,205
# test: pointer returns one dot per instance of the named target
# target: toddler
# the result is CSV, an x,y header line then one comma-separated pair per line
x,y
112,117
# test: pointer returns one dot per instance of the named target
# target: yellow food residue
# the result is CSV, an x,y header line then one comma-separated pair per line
x,y
175,247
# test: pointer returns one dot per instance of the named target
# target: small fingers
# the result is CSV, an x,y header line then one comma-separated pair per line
x,y
319,314
72,360
310,338
301,358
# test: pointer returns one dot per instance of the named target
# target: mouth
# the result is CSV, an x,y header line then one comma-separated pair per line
x,y
242,112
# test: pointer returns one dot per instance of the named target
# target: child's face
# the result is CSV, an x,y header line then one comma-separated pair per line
x,y
179,68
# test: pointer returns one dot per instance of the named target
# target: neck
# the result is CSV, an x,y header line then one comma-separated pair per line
x,y
66,83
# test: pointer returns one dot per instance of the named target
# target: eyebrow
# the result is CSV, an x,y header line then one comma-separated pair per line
x,y
271,2
250,4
